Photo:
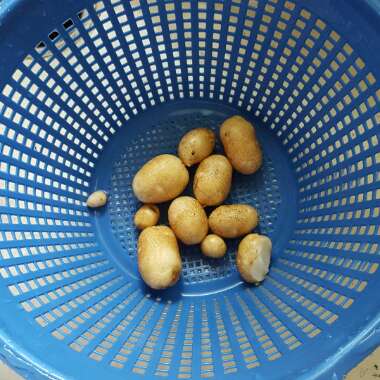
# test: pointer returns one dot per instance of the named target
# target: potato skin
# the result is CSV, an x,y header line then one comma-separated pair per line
x,y
253,257
97,199
146,216
212,180
188,220
161,179
232,221
159,261
242,148
196,145
213,246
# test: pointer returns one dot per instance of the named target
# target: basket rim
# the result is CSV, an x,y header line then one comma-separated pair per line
x,y
347,357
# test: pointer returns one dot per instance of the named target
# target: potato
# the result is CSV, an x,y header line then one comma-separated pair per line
x,y
97,199
232,221
196,145
159,261
161,179
188,220
212,180
240,144
253,257
213,246
147,216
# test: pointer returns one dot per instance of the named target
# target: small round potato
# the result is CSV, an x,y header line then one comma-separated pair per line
x,y
240,144
147,216
232,221
196,145
159,261
253,257
212,180
97,199
188,220
213,246
161,179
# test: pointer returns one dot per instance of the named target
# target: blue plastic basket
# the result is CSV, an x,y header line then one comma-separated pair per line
x,y
90,91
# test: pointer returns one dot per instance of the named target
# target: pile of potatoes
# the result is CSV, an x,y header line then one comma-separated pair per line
x,y
165,177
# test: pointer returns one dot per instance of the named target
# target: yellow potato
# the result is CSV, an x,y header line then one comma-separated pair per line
x,y
196,145
213,246
161,179
147,216
97,199
212,180
159,261
240,144
188,220
232,221
253,257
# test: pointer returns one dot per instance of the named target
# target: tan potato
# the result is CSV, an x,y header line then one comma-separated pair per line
x,y
147,216
188,220
212,180
161,179
159,261
232,221
196,145
213,246
97,199
253,257
241,145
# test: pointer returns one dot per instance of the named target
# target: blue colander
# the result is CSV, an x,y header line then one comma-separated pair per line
x,y
89,91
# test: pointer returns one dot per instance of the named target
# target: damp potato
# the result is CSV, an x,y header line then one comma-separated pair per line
x,y
240,144
232,221
188,220
146,216
213,246
161,179
212,180
97,199
159,261
253,257
196,145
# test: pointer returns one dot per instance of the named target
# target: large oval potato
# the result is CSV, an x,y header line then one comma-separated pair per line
x,y
212,180
161,179
188,220
196,145
239,140
159,261
232,221
253,257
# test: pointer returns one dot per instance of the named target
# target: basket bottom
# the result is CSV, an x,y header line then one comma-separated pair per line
x,y
272,190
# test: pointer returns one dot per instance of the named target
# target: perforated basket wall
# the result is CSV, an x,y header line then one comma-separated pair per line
x,y
91,90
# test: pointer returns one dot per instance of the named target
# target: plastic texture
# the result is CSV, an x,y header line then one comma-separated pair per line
x,y
89,91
